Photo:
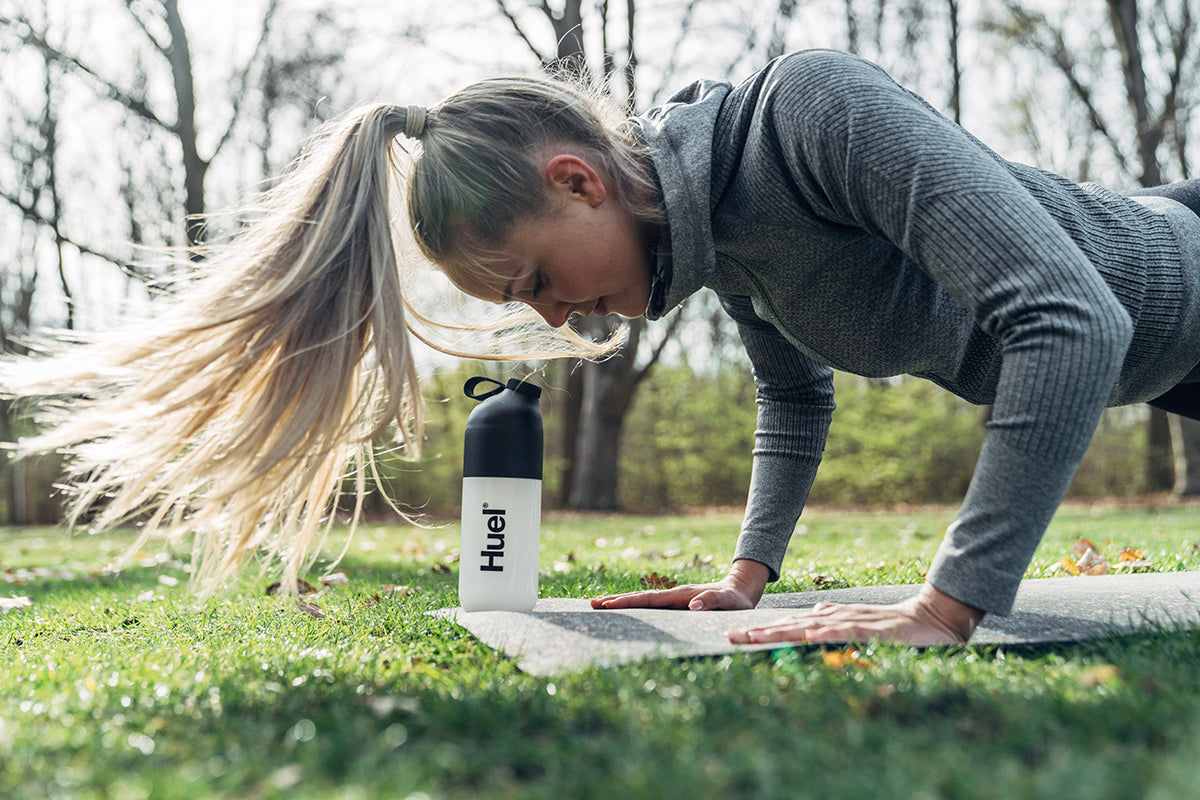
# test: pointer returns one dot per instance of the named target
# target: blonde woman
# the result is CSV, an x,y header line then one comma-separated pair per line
x,y
842,221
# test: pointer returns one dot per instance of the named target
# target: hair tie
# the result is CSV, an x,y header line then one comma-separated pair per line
x,y
414,121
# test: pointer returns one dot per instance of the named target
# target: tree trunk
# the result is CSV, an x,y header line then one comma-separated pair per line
x,y
1124,17
194,167
1159,469
1185,436
606,392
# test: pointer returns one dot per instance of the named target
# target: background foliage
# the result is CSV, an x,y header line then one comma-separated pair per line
x,y
689,435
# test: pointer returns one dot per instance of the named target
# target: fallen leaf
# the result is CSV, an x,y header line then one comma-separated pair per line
x,y
1132,565
392,590
837,659
1082,546
312,609
1099,675
1068,566
656,581
1092,563
336,579
302,587
1131,554
7,604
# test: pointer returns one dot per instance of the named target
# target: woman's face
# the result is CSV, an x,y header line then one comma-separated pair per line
x,y
585,256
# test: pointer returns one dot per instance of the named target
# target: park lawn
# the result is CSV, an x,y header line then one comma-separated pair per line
x,y
123,685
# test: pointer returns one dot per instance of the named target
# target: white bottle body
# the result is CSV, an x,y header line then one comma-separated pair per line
x,y
498,558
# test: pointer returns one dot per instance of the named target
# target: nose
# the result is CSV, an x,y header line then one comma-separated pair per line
x,y
555,313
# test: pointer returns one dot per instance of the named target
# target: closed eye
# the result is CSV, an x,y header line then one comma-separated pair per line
x,y
539,284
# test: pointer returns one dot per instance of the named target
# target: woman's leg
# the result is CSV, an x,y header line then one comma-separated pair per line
x,y
1183,399
1186,192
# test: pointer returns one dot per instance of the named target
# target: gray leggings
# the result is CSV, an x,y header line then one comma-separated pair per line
x,y
1183,399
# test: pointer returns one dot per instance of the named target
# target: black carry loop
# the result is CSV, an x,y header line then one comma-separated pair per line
x,y
513,383
504,432
469,388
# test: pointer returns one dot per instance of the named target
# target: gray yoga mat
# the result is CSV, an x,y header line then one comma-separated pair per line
x,y
564,634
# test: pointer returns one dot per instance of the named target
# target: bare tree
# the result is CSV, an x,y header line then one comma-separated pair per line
x,y
161,25
34,155
158,148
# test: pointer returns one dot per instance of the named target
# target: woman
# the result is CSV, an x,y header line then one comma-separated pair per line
x,y
843,223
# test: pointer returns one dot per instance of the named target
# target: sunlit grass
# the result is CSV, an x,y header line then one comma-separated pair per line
x,y
121,684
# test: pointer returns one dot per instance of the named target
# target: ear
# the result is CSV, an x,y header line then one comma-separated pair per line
x,y
575,179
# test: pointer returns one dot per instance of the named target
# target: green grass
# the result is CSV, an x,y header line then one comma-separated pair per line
x,y
124,686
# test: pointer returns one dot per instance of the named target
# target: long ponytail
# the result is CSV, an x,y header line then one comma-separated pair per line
x,y
235,412
238,410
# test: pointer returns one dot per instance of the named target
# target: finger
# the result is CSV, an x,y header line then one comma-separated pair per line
x,y
778,633
669,598
718,599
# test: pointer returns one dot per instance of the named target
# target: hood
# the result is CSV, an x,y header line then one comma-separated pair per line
x,y
679,134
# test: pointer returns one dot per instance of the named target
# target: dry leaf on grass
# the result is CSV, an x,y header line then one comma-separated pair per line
x,y
1086,559
1082,546
312,609
837,659
656,581
1100,675
302,587
1092,563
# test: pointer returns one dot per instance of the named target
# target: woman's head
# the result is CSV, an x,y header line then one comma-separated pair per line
x,y
235,412
481,169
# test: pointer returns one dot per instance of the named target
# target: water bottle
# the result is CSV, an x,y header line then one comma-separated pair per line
x,y
501,498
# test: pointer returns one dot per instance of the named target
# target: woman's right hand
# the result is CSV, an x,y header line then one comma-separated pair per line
x,y
741,589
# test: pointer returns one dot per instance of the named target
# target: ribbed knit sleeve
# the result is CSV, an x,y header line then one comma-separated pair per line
x,y
795,401
869,154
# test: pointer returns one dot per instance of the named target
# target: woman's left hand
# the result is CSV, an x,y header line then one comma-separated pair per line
x,y
930,618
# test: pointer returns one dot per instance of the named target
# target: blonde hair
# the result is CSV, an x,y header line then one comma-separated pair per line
x,y
236,412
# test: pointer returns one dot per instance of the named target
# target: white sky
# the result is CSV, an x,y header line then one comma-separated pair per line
x,y
465,40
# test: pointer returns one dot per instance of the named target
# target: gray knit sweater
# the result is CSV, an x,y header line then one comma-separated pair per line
x,y
846,225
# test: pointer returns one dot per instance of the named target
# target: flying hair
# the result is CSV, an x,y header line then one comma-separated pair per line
x,y
262,379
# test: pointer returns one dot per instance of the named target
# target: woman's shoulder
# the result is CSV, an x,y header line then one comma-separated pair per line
x,y
826,71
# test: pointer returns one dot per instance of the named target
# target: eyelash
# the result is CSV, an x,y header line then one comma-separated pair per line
x,y
539,284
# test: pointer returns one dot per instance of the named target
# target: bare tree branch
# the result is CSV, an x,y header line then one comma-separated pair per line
x,y
30,37
672,328
162,47
541,57
31,214
242,79
1026,26
685,29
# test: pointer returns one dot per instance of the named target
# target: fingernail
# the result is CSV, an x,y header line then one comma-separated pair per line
x,y
696,605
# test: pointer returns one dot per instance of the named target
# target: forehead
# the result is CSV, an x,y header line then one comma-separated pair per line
x,y
489,270
488,279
